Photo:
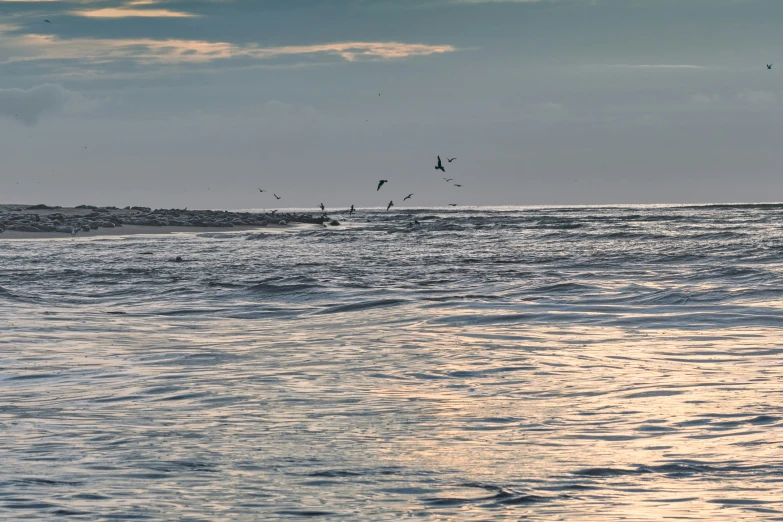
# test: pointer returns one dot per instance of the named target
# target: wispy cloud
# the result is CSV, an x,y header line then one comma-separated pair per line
x,y
30,47
29,105
704,99
657,66
194,51
757,97
498,1
128,12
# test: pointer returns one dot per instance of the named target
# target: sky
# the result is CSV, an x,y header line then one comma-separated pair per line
x,y
199,103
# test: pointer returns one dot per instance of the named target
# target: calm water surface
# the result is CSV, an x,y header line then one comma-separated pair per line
x,y
555,364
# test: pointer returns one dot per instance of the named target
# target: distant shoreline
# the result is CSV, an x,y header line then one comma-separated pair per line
x,y
45,222
128,230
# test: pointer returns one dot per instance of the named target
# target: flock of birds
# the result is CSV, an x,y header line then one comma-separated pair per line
x,y
382,182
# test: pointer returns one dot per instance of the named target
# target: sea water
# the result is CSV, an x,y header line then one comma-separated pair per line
x,y
579,363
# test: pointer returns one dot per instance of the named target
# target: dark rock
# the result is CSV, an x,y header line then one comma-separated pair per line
x,y
41,207
24,228
89,207
334,223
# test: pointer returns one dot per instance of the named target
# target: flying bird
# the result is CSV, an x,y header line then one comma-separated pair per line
x,y
407,197
47,21
322,207
457,185
452,204
390,205
276,196
350,212
769,66
450,160
380,184
448,179
261,190
275,210
440,166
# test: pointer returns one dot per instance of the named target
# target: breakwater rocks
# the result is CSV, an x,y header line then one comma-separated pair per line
x,y
42,218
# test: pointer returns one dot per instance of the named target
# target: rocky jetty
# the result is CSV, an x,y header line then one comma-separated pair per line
x,y
42,218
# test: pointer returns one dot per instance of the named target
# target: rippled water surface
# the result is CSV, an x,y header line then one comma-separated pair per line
x,y
555,364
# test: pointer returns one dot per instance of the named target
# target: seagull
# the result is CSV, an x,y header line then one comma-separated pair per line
x,y
450,160
261,190
275,210
350,212
276,196
452,204
457,185
448,179
407,197
769,66
440,166
390,205
47,21
322,207
380,184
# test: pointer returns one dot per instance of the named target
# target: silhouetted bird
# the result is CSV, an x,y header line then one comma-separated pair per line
x,y
448,179
450,160
322,207
440,165
452,204
390,205
47,21
769,66
275,210
276,196
380,184
457,185
261,190
350,212
407,197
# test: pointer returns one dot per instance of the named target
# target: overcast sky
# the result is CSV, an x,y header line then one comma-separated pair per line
x,y
199,103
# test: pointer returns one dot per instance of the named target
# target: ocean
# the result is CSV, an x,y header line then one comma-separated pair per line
x,y
558,363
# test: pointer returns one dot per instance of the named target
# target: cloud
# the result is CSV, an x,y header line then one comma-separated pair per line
x,y
103,51
125,12
704,99
650,118
498,1
757,97
548,112
657,66
29,105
